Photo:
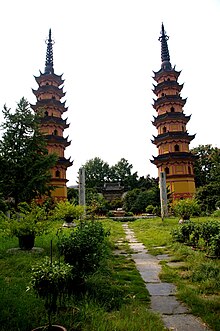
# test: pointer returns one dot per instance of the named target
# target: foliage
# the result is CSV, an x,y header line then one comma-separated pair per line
x,y
209,229
24,160
121,172
215,245
64,211
149,209
96,203
28,220
207,176
207,164
98,172
73,195
185,208
216,213
183,232
137,200
116,203
84,248
206,233
208,195
50,281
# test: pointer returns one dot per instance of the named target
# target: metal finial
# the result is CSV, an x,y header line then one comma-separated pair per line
x,y
165,56
49,55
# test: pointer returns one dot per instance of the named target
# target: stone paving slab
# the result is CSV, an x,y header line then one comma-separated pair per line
x,y
139,247
148,275
174,314
161,289
176,264
167,305
184,322
163,257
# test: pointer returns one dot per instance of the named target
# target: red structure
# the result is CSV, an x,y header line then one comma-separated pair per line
x,y
49,106
172,141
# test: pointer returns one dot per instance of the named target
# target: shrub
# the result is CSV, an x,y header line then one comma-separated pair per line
x,y
209,229
185,232
50,281
84,248
205,270
65,210
149,209
216,213
28,220
185,208
215,245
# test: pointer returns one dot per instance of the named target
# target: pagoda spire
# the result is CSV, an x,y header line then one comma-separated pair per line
x,y
49,55
165,56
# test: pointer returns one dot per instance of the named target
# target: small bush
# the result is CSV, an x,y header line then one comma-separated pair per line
x,y
65,210
187,232
215,245
84,248
149,209
209,229
216,213
185,208
206,271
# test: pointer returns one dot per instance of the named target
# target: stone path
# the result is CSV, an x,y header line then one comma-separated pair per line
x,y
175,315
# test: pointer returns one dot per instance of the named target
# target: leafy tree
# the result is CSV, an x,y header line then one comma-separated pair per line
x,y
207,176
137,200
96,203
121,172
208,196
147,182
24,160
73,195
97,172
207,164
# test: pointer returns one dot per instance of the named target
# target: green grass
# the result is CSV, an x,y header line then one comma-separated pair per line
x,y
197,281
115,298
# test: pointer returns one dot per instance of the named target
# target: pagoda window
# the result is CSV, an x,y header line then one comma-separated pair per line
x,y
182,128
46,113
167,170
53,97
164,129
172,109
57,173
163,94
47,83
168,79
176,148
189,170
55,132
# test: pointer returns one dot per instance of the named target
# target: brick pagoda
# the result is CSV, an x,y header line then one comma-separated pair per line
x,y
172,141
49,106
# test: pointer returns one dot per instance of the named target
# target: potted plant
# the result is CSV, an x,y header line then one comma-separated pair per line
x,y
185,208
50,281
26,223
67,212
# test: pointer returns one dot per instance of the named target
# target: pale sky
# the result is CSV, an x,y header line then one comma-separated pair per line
x,y
107,51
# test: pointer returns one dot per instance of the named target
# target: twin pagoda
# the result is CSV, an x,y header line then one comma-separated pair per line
x,y
172,141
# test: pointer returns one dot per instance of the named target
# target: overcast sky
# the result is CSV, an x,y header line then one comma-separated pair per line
x,y
107,51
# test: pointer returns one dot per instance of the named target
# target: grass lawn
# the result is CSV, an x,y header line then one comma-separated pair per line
x,y
197,280
113,299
